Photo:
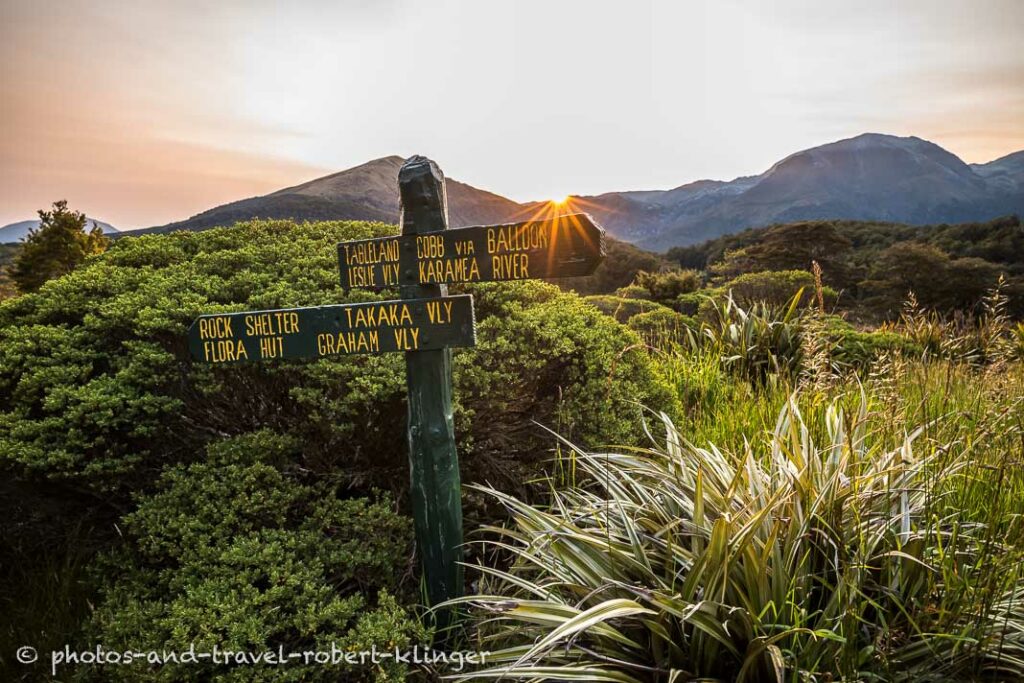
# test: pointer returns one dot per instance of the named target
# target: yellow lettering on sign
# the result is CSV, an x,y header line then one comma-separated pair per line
x,y
370,253
511,266
350,341
407,339
449,270
215,327
271,347
429,246
272,323
224,351
511,238
439,312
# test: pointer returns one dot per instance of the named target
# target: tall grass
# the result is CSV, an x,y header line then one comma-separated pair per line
x,y
861,528
859,557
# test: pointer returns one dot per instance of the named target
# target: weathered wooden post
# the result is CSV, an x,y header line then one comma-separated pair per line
x,y
433,461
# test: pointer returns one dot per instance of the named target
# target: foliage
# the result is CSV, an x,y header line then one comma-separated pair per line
x,y
546,356
662,328
859,348
788,247
620,308
857,548
235,553
874,265
60,243
777,288
620,267
668,285
633,292
100,407
97,388
8,252
755,342
931,275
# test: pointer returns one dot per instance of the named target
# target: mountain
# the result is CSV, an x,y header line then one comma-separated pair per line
x,y
1006,172
870,177
367,192
15,232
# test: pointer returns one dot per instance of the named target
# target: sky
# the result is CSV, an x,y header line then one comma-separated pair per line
x,y
140,113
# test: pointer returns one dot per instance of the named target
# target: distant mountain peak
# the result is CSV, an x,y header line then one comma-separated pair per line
x,y
368,191
872,176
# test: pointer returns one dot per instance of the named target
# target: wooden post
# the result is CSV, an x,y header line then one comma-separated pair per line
x,y
433,461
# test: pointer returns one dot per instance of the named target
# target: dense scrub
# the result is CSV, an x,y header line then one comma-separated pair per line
x,y
106,423
875,265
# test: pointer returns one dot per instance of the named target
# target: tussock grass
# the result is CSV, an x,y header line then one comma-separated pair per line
x,y
864,528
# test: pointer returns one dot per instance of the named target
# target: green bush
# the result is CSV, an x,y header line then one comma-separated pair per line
x,y
691,304
668,285
776,288
633,292
96,387
100,405
619,308
858,348
547,356
663,329
235,553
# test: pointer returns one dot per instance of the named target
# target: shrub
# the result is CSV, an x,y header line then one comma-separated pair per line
x,y
619,308
96,388
859,348
99,401
633,292
233,552
691,304
546,356
663,328
776,288
668,285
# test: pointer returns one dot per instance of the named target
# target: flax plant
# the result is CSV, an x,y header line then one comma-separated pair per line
x,y
850,556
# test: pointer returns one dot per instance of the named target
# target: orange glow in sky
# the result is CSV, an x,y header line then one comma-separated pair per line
x,y
148,112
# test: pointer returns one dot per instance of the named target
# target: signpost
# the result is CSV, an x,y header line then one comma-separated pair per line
x,y
376,327
425,323
565,246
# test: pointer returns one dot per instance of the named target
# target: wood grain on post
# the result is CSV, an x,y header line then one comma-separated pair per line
x,y
433,461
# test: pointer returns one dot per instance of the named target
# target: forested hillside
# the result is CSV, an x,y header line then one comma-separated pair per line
x,y
874,265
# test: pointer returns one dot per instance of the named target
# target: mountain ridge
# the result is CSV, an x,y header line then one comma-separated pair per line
x,y
871,176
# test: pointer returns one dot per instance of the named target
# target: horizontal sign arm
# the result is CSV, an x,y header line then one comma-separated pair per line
x,y
566,246
366,328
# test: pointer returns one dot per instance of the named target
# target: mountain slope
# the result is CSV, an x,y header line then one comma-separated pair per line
x,y
15,232
366,192
869,177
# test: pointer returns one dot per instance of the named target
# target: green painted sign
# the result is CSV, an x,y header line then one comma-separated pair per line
x,y
566,246
369,328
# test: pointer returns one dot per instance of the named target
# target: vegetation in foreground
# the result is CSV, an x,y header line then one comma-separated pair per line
x,y
151,501
805,521
805,500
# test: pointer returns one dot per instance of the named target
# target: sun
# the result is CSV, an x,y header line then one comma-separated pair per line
x,y
560,201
